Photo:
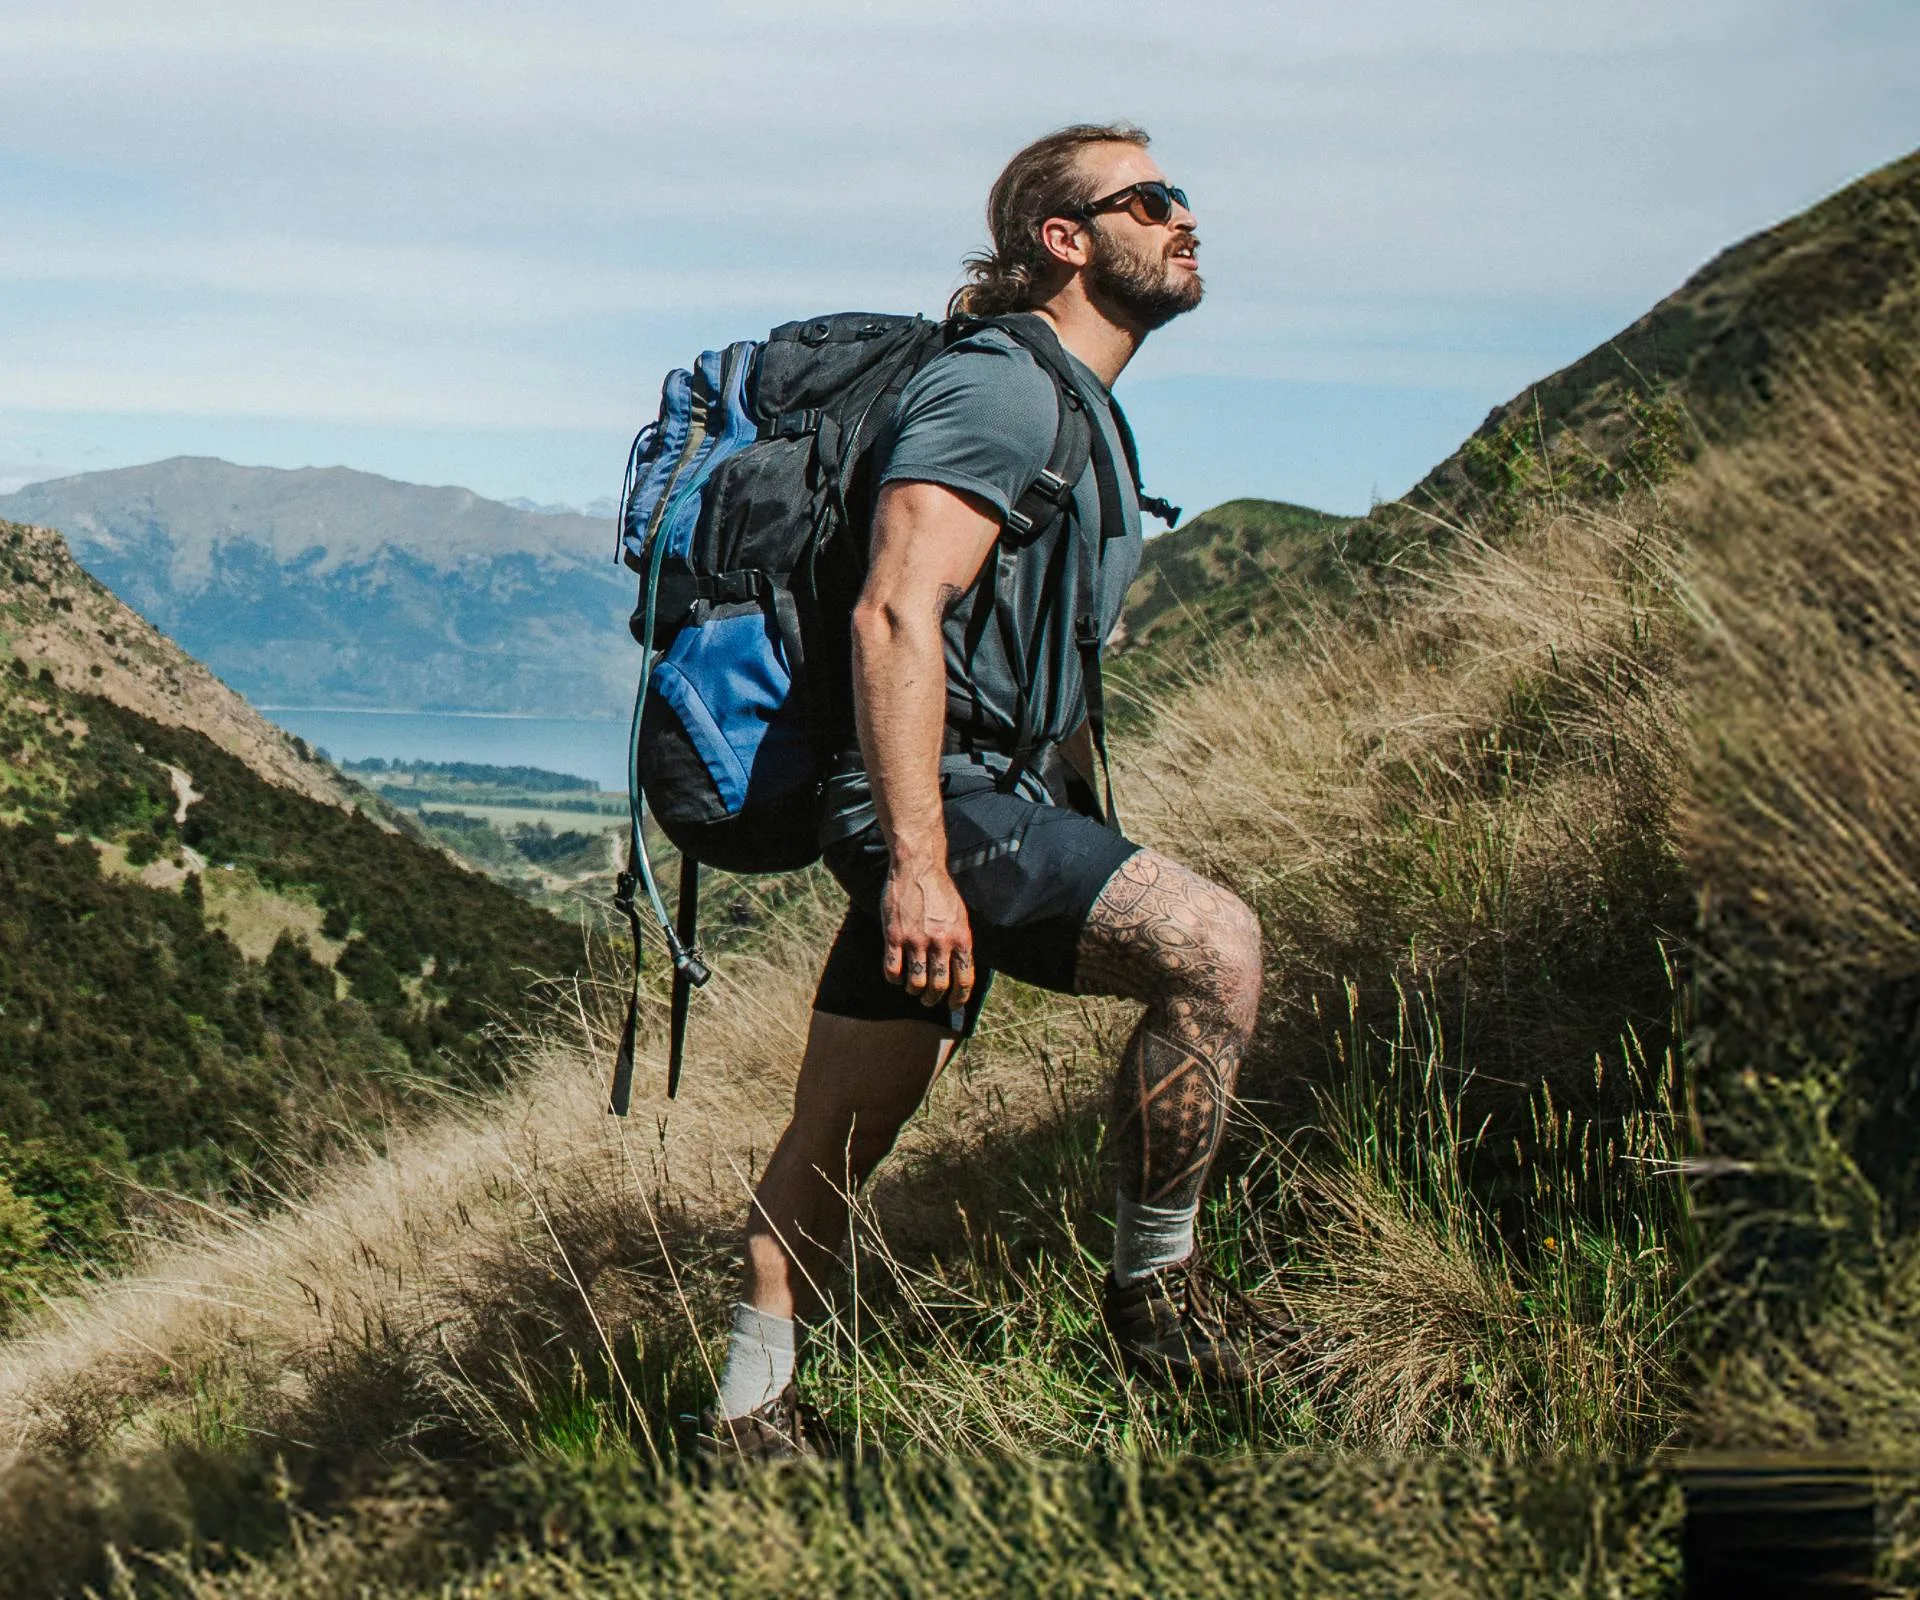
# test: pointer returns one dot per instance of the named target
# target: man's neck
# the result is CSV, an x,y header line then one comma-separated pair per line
x,y
1087,330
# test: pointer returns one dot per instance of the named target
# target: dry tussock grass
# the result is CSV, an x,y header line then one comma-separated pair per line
x,y
1804,828
1807,585
1295,777
1442,801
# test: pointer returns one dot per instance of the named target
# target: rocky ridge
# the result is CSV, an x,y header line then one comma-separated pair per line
x,y
56,618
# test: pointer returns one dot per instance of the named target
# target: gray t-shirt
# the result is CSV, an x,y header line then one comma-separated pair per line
x,y
981,418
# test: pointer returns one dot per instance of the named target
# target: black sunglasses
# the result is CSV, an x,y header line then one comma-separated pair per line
x,y
1150,202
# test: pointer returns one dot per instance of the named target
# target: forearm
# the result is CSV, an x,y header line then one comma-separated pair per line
x,y
900,709
928,545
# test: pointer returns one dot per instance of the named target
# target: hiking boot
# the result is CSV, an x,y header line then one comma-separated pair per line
x,y
781,1430
1174,1326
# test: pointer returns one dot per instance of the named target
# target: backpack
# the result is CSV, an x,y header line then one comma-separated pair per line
x,y
744,510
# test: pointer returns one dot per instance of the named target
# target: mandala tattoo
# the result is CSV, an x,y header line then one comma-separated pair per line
x,y
1190,951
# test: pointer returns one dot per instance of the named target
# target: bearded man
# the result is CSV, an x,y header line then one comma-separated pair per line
x,y
959,858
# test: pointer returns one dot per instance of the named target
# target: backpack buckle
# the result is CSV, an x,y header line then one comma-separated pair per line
x,y
1049,488
795,424
733,587
1053,486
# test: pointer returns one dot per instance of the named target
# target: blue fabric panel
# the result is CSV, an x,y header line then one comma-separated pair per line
x,y
662,456
728,682
729,776
733,428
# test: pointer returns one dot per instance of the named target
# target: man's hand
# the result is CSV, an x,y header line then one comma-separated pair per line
x,y
929,941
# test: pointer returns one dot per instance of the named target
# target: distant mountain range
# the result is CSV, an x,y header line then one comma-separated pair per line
x,y
605,506
325,586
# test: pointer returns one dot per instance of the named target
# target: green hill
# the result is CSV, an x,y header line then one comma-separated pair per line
x,y
1213,572
1236,569
1839,281
200,968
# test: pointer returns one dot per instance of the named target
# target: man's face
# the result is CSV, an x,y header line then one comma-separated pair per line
x,y
1148,272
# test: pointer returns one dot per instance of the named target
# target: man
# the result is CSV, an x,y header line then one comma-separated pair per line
x,y
955,863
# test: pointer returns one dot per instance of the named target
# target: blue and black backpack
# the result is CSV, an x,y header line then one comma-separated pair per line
x,y
745,511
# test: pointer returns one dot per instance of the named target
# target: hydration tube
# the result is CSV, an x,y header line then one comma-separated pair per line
x,y
685,963
689,971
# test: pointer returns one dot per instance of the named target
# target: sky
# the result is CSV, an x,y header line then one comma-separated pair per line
x,y
463,242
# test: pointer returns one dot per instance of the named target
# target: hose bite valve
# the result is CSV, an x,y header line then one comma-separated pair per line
x,y
686,961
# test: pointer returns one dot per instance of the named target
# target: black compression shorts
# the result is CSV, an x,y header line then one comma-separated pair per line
x,y
1029,873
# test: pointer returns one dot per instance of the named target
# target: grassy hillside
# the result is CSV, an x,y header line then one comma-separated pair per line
x,y
57,618
201,971
1574,1130
1246,566
1456,1178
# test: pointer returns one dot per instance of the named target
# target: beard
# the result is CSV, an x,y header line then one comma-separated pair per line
x,y
1143,285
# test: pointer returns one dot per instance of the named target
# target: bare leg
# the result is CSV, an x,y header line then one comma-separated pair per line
x,y
1190,951
859,1083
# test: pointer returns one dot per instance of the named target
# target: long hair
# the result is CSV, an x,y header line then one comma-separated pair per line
x,y
1044,180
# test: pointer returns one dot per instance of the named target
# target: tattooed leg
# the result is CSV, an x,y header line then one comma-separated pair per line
x,y
1190,951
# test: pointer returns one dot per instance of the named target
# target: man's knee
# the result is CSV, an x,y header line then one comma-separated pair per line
x,y
1160,931
1233,973
871,1138
846,1140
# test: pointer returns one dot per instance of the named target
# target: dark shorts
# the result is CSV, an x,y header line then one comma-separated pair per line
x,y
1029,873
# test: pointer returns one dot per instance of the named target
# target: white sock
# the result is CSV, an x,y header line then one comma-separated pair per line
x,y
1147,1238
760,1358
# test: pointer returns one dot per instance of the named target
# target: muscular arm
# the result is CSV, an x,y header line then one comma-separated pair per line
x,y
928,546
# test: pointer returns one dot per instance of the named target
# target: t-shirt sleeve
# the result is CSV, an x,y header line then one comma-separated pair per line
x,y
980,419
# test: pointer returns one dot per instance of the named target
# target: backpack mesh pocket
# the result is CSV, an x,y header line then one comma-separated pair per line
x,y
724,743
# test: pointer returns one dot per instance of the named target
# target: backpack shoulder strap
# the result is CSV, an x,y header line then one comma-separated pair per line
x,y
1035,334
1038,337
1047,499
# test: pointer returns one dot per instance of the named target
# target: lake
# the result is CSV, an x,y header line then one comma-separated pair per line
x,y
587,748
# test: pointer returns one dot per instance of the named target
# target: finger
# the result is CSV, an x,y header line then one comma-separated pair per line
x,y
916,960
936,976
962,989
893,962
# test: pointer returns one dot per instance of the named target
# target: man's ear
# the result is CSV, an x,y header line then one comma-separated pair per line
x,y
1066,241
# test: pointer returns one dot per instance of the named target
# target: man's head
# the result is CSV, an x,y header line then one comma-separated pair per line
x,y
1087,202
